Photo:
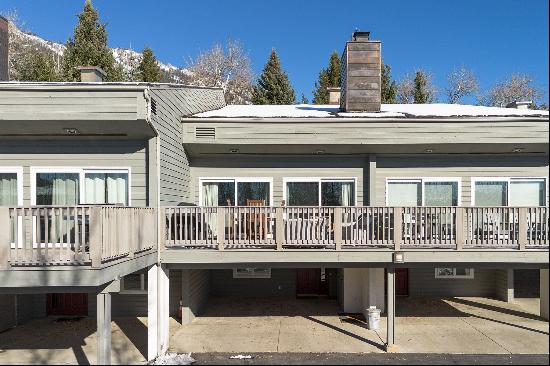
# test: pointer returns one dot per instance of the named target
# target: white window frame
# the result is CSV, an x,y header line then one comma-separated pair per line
x,y
81,171
141,291
320,180
508,180
469,276
18,171
259,275
236,180
423,180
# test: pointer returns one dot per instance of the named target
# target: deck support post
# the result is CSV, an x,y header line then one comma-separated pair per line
x,y
4,238
544,293
104,328
158,311
390,309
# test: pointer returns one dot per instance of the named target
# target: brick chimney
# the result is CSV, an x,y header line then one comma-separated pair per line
x,y
361,74
4,74
91,74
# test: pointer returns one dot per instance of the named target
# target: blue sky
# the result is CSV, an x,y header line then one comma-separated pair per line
x,y
493,38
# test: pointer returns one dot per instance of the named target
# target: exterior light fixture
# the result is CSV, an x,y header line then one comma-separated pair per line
x,y
517,150
319,152
398,257
428,151
234,151
71,131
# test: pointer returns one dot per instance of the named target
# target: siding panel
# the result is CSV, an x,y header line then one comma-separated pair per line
x,y
281,284
422,282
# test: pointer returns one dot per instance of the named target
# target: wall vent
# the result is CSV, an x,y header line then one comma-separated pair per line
x,y
205,133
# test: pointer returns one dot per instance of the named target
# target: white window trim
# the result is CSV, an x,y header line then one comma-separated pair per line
x,y
319,180
507,180
454,275
423,180
236,180
141,291
19,173
81,171
253,275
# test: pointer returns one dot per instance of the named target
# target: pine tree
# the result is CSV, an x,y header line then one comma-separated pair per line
x,y
38,66
148,69
273,85
329,77
88,47
389,86
304,99
421,93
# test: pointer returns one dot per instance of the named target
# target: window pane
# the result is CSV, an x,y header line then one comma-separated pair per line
x,y
404,194
57,189
491,193
527,193
444,272
258,191
8,189
337,193
302,193
218,193
462,271
441,193
106,188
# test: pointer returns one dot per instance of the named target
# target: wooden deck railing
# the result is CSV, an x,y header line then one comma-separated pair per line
x,y
357,227
76,235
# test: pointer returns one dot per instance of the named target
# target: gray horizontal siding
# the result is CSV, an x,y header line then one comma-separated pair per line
x,y
80,154
72,104
281,284
172,104
279,168
376,132
422,282
462,166
28,307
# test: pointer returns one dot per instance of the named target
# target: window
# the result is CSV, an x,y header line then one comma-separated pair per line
x,y
319,191
76,186
252,273
228,191
454,273
423,192
11,186
498,191
133,284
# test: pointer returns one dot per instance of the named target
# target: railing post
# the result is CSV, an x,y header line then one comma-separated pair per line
x,y
522,235
459,228
397,227
279,227
221,228
5,244
96,236
338,228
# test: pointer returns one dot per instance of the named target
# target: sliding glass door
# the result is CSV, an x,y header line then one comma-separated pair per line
x,y
235,192
319,192
526,192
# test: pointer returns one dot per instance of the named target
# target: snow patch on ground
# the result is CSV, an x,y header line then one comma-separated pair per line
x,y
387,111
174,359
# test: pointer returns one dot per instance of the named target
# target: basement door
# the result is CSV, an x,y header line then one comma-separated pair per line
x,y
402,282
311,282
67,304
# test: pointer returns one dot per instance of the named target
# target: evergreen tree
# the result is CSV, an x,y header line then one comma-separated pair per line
x,y
329,77
421,92
148,69
38,66
88,47
389,86
304,99
273,85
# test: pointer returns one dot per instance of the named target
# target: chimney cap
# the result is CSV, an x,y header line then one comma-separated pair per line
x,y
360,36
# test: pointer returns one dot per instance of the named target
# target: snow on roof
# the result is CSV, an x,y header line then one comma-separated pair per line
x,y
387,111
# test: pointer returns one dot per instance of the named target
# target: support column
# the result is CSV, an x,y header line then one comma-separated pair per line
x,y
544,293
505,284
158,311
353,290
390,309
104,328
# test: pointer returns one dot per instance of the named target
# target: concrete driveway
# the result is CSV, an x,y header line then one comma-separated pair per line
x,y
456,325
